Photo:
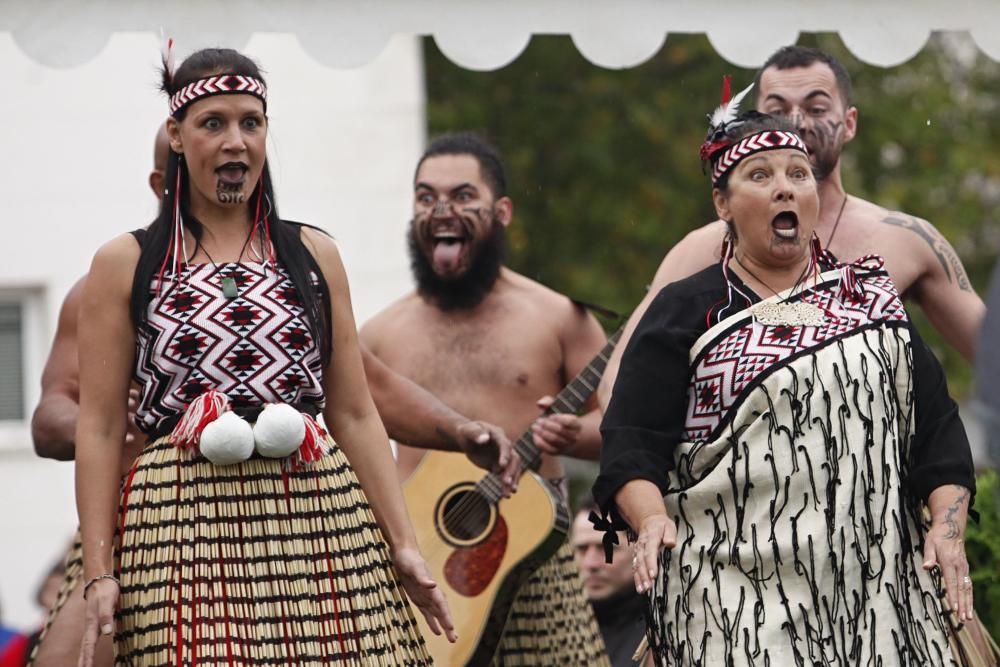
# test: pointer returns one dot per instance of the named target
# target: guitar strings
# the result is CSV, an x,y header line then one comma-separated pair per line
x,y
462,512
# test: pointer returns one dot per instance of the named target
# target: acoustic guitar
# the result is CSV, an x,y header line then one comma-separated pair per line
x,y
480,547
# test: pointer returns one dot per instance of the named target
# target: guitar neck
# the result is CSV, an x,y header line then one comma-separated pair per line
x,y
569,400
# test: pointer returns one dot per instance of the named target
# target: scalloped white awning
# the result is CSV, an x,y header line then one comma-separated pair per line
x,y
488,34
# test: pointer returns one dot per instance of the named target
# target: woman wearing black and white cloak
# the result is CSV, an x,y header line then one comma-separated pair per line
x,y
776,425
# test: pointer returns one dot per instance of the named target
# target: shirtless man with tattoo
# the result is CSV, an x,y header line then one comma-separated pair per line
x,y
408,411
814,91
491,342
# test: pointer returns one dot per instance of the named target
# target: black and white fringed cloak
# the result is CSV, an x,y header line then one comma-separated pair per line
x,y
793,460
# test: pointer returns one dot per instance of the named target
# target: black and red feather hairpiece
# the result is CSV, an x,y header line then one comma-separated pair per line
x,y
722,119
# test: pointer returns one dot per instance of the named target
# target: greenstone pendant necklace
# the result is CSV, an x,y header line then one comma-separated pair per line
x,y
230,288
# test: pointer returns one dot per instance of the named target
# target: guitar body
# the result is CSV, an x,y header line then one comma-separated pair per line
x,y
478,552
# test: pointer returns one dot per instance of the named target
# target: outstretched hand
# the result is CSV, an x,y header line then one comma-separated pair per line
x,y
424,592
489,448
656,533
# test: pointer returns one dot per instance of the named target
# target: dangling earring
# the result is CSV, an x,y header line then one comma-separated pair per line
x,y
815,253
178,246
265,223
728,251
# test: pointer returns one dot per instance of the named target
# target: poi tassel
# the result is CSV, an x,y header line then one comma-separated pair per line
x,y
279,430
313,446
200,413
227,440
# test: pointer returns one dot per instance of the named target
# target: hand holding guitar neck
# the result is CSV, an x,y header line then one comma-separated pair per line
x,y
555,433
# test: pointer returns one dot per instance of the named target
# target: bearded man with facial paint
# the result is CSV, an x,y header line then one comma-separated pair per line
x,y
495,345
813,90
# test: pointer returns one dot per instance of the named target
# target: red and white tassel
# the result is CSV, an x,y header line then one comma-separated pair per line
x,y
313,447
850,287
200,413
262,229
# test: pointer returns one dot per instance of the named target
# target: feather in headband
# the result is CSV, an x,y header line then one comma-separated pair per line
x,y
723,119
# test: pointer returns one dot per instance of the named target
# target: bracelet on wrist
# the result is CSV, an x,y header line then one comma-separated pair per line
x,y
94,580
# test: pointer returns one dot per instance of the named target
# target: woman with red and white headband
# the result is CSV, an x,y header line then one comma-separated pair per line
x,y
243,533
775,429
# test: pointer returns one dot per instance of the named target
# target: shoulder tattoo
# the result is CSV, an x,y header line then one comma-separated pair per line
x,y
945,254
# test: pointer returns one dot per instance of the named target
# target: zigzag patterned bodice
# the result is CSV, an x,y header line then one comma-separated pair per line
x,y
256,348
732,357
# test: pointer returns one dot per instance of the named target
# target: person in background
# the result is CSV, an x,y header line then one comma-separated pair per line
x,y
14,647
496,345
608,586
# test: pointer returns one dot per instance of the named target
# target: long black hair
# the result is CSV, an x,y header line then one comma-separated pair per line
x,y
286,236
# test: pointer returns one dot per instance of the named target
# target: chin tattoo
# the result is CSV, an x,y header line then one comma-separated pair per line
x,y
229,194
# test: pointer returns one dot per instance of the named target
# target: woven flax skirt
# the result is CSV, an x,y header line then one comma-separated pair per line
x,y
551,622
252,565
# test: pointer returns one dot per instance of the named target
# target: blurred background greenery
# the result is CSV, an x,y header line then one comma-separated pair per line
x,y
605,178
604,173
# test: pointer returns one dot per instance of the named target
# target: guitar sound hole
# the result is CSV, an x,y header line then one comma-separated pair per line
x,y
467,516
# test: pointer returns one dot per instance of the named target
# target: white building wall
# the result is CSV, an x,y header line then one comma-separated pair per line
x,y
77,148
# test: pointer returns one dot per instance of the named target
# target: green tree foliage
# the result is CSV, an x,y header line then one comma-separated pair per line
x,y
982,548
604,171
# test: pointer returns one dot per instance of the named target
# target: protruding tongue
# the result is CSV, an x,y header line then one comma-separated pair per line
x,y
446,256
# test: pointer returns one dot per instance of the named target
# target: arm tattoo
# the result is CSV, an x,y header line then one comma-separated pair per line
x,y
949,518
950,262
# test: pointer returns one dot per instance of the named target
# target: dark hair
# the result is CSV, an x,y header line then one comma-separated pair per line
x,y
286,236
586,503
747,123
788,57
470,143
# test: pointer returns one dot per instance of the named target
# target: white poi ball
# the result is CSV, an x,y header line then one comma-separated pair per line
x,y
227,440
279,430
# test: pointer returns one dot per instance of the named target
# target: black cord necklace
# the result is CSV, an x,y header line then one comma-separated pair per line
x,y
774,291
836,223
230,288
784,312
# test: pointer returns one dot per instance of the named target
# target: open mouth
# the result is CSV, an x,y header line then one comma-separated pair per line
x,y
786,225
447,253
232,174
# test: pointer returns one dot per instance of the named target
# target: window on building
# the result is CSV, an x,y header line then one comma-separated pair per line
x,y
11,360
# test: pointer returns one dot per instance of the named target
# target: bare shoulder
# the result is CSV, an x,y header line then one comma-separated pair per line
x,y
320,245
384,322
114,261
698,249
547,304
922,243
71,304
518,286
